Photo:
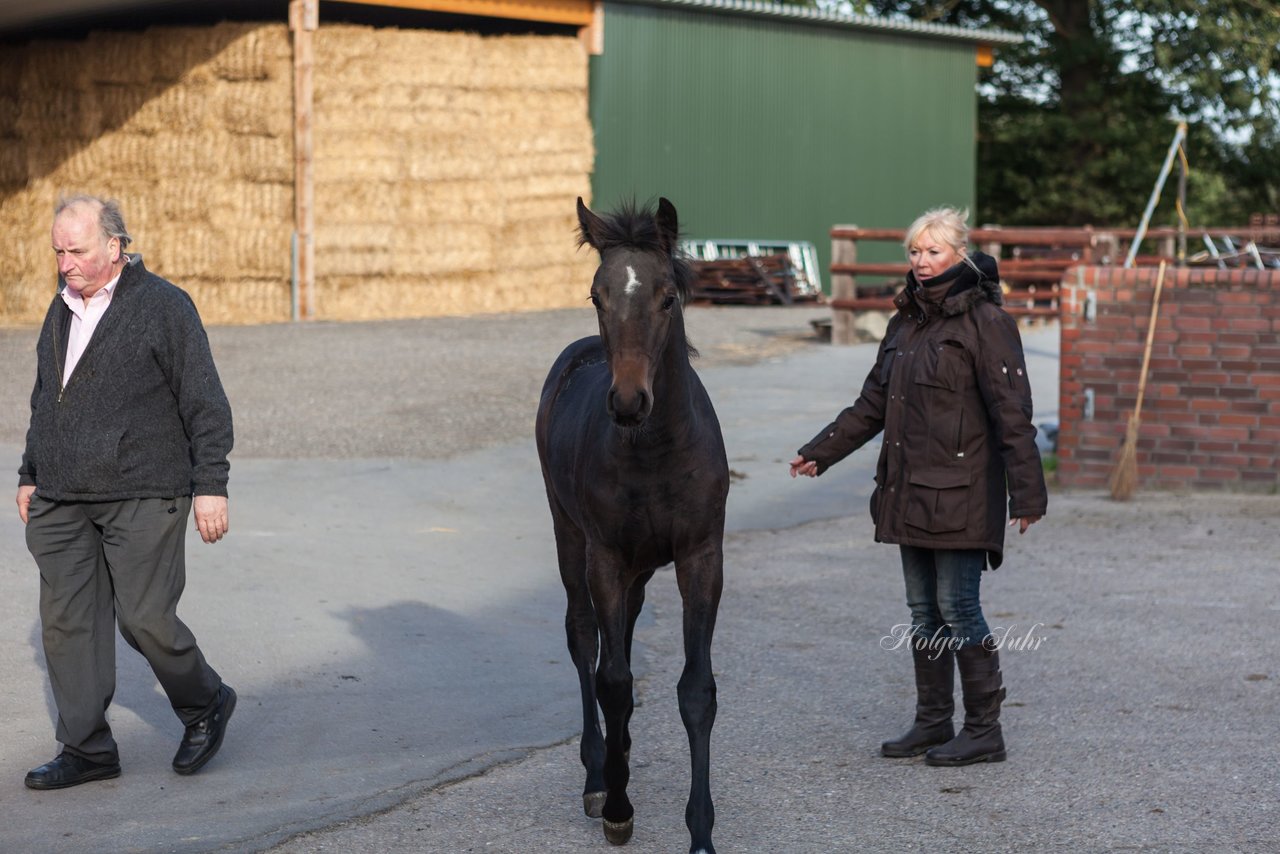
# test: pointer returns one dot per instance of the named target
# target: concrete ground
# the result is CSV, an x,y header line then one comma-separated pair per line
x,y
387,607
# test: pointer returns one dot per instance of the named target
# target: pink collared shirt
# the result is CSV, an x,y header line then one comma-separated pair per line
x,y
83,321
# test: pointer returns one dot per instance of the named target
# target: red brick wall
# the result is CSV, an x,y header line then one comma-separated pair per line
x,y
1211,413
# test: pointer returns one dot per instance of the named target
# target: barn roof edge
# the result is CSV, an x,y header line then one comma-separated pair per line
x,y
761,8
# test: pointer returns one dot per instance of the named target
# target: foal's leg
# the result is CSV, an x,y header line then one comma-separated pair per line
x,y
582,634
635,603
613,687
700,577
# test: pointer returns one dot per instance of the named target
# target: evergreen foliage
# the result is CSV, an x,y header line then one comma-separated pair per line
x,y
1075,122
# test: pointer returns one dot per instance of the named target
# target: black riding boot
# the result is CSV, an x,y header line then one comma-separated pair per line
x,y
980,739
935,704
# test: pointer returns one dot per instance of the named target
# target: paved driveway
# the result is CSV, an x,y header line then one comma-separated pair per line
x,y
388,608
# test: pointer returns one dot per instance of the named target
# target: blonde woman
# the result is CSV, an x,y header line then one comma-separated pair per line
x,y
949,390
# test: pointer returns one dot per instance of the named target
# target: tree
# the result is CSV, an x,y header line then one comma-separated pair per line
x,y
1074,123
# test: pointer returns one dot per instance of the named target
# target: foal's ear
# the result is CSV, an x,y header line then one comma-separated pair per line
x,y
668,224
590,226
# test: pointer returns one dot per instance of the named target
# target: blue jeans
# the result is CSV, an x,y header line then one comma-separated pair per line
x,y
942,592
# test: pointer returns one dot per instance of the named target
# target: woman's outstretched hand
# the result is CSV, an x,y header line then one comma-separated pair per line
x,y
800,465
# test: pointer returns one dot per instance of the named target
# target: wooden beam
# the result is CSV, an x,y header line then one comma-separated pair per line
x,y
576,13
1064,236
1024,236
1034,270
304,20
846,306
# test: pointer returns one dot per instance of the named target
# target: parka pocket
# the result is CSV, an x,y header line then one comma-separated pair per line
x,y
942,365
938,500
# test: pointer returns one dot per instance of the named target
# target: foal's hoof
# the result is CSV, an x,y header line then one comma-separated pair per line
x,y
593,803
618,832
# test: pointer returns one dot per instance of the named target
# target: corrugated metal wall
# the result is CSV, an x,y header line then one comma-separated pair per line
x,y
762,128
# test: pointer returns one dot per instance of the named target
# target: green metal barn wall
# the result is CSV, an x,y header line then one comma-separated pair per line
x,y
765,129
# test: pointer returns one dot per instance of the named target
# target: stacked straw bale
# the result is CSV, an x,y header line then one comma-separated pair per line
x,y
447,165
190,128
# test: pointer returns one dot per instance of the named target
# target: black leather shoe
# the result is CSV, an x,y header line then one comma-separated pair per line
x,y
69,770
203,738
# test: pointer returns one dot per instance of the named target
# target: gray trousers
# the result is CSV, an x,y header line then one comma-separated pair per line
x,y
106,562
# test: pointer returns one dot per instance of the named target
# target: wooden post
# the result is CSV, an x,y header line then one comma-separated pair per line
x,y
1108,244
592,35
991,247
843,286
304,20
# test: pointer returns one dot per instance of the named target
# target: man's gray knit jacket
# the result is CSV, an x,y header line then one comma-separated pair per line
x,y
143,414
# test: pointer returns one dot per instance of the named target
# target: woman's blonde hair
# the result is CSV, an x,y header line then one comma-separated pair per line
x,y
948,225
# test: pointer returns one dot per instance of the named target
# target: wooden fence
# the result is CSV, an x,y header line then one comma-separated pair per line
x,y
1033,262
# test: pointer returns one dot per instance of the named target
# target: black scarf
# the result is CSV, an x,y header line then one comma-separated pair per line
x,y
978,269
963,275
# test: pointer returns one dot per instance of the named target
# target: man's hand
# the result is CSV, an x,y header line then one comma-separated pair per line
x,y
24,501
211,517
1024,522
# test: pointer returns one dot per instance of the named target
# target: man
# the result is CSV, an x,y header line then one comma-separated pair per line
x,y
128,422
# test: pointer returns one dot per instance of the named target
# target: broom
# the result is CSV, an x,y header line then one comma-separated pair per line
x,y
1125,476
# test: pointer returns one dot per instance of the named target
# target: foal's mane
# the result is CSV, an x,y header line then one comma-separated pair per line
x,y
634,226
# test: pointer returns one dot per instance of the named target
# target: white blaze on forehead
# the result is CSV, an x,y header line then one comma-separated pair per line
x,y
633,284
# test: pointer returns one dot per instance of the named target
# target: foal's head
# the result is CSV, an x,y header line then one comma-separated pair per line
x,y
638,293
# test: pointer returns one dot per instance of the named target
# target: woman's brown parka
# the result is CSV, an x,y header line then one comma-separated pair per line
x,y
950,391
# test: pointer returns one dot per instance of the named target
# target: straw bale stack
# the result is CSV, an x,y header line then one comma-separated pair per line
x,y
13,165
446,165
260,159
540,209
241,300
11,68
170,54
472,149
523,242
194,249
358,201
115,59
12,157
56,74
182,109
252,53
444,247
116,104
249,208
264,110
190,127
363,153
481,202
361,298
